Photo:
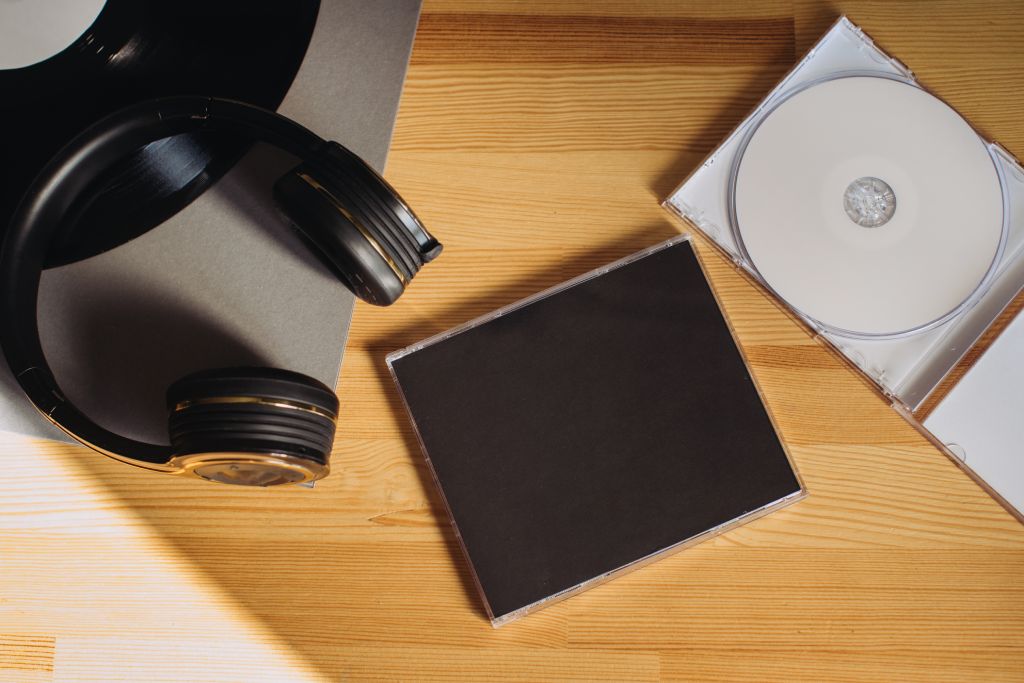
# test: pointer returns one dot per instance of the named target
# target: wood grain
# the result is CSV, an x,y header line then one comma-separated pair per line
x,y
582,39
537,139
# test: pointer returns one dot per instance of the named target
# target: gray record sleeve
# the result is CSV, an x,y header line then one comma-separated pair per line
x,y
224,282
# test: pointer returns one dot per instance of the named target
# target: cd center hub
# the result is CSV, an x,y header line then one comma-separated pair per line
x,y
869,202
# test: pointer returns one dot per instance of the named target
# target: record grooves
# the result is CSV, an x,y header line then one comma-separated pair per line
x,y
132,52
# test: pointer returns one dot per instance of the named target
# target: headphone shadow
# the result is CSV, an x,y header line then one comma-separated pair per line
x,y
249,187
129,348
245,541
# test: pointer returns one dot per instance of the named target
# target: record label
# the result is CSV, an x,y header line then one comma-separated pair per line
x,y
34,30
868,205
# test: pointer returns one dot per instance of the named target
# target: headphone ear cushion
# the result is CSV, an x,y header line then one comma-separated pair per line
x,y
253,410
346,236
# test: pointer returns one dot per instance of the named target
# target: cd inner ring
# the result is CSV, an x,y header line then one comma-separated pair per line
x,y
869,202
734,228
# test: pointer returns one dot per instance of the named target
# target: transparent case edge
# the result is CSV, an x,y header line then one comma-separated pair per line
x,y
503,619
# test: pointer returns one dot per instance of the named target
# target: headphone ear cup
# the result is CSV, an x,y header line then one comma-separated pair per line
x,y
255,426
345,235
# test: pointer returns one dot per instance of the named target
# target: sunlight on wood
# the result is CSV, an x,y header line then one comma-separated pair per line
x,y
122,572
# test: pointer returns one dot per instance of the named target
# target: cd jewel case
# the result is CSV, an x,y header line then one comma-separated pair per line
x,y
894,231
593,428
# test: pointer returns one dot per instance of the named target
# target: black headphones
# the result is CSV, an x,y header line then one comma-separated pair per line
x,y
250,426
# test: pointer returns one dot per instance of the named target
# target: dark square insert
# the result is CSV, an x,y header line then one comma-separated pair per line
x,y
594,426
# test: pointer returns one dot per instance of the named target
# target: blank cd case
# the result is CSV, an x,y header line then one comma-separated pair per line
x,y
592,428
926,373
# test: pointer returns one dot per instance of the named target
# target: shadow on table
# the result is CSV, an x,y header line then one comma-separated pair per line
x,y
292,568
697,146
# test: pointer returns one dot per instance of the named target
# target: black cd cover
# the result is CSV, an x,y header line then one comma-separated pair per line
x,y
592,427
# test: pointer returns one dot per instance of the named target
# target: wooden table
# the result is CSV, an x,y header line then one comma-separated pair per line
x,y
537,138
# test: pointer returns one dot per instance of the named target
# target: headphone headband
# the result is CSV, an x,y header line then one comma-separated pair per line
x,y
45,206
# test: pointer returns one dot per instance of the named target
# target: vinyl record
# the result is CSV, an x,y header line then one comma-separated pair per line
x,y
136,50
868,205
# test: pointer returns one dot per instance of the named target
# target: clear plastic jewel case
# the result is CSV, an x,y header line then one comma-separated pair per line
x,y
925,373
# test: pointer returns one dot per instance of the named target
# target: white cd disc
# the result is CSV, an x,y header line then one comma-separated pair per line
x,y
868,205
